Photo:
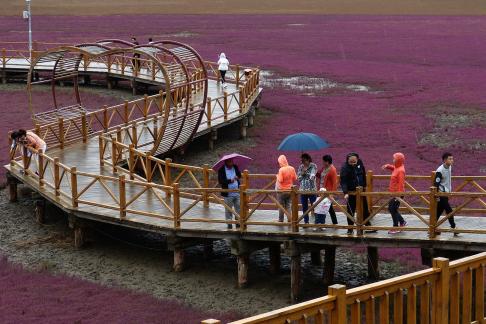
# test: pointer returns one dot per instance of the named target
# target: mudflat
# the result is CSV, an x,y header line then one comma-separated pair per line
x,y
384,7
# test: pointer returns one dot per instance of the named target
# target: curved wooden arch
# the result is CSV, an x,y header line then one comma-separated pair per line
x,y
115,41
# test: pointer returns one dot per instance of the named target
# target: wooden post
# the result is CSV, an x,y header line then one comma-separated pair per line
x,y
123,196
209,112
274,251
25,158
294,201
245,179
61,132
131,161
101,145
243,127
295,271
84,127
241,98
114,155
359,210
167,176
155,128
237,72
148,167
105,118
41,169
432,212
57,176
134,135
145,106
126,114
339,313
74,187
243,260
316,258
178,259
177,206
373,267
12,188
329,265
442,290
369,188
243,208
205,185
225,106
40,211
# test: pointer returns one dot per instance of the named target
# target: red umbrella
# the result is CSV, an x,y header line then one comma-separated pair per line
x,y
239,160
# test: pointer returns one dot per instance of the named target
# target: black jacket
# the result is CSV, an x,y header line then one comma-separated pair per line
x,y
352,177
223,181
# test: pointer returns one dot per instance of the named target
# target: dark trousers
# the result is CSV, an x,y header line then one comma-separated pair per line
x,y
304,200
443,204
352,209
393,207
332,213
223,74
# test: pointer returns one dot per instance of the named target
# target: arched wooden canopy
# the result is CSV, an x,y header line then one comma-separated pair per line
x,y
173,66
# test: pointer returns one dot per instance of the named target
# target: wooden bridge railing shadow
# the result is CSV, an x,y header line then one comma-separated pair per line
x,y
449,292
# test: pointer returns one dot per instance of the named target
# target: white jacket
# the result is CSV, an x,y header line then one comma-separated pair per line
x,y
223,63
323,206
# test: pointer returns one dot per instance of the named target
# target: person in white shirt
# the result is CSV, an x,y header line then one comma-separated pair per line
x,y
223,65
322,210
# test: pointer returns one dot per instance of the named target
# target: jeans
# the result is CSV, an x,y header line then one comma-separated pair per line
x,y
393,207
232,202
443,204
352,209
284,200
304,200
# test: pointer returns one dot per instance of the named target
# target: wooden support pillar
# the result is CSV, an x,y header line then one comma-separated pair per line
x,y
87,79
12,188
243,127
329,265
208,250
316,258
373,267
295,272
274,251
213,136
243,260
427,254
178,259
4,77
251,116
134,87
79,236
40,211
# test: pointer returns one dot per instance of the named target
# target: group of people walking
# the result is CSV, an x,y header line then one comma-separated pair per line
x,y
352,175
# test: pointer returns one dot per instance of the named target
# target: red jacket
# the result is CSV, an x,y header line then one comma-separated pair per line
x,y
397,180
330,180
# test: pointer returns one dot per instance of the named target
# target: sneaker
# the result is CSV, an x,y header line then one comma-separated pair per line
x,y
230,226
369,230
403,224
319,229
393,231
456,234
350,232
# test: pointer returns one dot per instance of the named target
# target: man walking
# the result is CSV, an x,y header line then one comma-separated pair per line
x,y
443,182
397,184
353,175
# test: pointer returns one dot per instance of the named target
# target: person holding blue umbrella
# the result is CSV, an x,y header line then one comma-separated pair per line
x,y
306,175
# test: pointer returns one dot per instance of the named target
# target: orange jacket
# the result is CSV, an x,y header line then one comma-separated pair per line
x,y
397,180
330,179
286,174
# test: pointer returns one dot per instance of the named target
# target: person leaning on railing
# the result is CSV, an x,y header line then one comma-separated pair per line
x,y
285,179
29,139
397,184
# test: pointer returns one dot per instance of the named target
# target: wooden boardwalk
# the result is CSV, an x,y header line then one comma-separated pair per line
x,y
110,176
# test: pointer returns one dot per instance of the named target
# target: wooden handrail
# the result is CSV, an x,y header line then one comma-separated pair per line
x,y
434,283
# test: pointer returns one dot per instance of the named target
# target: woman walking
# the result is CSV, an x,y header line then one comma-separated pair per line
x,y
307,178
397,184
223,65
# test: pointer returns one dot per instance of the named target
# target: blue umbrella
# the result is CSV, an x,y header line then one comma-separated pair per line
x,y
302,142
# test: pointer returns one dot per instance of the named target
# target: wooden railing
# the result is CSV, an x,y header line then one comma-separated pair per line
x,y
449,292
